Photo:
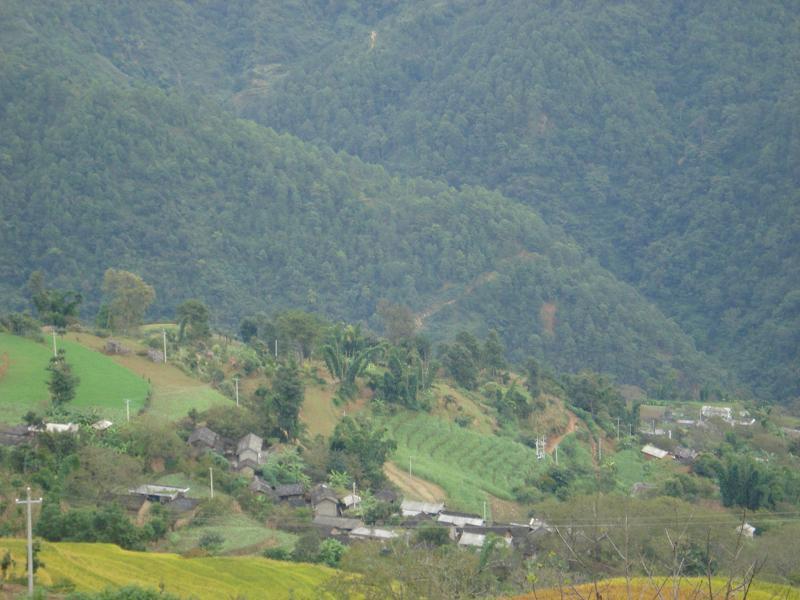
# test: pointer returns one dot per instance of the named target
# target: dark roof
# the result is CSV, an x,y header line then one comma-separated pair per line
x,y
13,436
321,492
259,485
497,529
342,523
181,505
453,513
387,495
289,489
204,435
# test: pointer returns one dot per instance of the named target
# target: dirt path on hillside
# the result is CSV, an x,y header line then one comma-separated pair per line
x,y
413,488
555,441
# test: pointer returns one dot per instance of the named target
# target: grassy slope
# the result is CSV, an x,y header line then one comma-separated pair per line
x,y
174,392
240,534
93,567
104,385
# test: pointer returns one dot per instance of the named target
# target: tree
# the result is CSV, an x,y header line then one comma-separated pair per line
x,y
461,366
287,398
5,564
494,353
532,379
193,316
62,382
127,299
299,328
398,321
54,307
364,448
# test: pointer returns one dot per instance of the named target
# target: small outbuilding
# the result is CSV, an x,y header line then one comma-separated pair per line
x,y
651,451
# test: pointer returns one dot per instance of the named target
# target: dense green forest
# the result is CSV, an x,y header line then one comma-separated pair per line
x,y
661,137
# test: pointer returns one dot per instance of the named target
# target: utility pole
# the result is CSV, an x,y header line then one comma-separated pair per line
x,y
409,466
618,428
55,350
164,337
236,387
28,501
600,449
128,409
556,455
211,479
276,348
484,512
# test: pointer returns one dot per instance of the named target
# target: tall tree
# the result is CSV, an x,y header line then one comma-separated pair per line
x,y
494,353
287,398
54,307
193,316
127,298
63,382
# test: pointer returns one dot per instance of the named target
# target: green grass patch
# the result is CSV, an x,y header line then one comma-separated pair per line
x,y
239,533
104,385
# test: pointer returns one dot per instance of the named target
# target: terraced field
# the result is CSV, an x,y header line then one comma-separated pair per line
x,y
466,464
689,588
94,567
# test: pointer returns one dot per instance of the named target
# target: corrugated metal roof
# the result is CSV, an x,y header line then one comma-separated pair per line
x,y
412,508
651,450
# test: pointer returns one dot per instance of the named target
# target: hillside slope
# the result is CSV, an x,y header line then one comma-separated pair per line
x,y
661,135
204,205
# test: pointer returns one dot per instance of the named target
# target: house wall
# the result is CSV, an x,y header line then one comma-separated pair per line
x,y
327,508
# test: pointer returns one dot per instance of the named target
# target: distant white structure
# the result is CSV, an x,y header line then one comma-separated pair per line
x,y
460,519
653,451
57,428
746,530
474,540
412,508
102,425
367,533
722,412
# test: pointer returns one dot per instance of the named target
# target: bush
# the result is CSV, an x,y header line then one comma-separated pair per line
x,y
432,535
277,553
211,542
331,552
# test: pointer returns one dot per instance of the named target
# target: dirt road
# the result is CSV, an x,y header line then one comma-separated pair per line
x,y
555,441
413,488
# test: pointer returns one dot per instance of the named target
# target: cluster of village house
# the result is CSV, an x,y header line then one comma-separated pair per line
x,y
336,515
682,453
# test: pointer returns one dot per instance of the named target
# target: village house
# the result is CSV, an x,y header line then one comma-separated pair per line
x,y
372,533
14,436
651,451
203,439
336,526
115,347
249,455
457,519
412,508
159,493
324,501
684,455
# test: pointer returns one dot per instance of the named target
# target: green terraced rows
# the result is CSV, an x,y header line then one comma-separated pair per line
x,y
466,464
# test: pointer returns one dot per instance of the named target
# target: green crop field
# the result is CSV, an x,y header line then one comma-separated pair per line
x,y
466,464
239,533
104,385
93,567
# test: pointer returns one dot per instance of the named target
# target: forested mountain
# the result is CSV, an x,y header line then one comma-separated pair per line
x,y
660,136
201,204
